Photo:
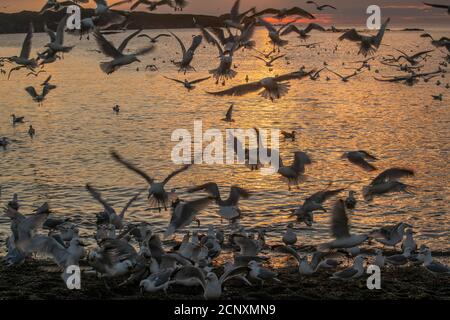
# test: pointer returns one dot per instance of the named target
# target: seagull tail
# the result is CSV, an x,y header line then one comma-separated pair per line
x,y
107,67
170,231
324,247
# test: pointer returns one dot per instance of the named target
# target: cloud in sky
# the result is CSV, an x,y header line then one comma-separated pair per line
x,y
349,11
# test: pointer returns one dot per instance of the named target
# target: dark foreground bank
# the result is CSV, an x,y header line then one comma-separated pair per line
x,y
41,280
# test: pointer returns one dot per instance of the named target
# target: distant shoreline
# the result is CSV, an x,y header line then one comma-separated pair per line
x,y
12,23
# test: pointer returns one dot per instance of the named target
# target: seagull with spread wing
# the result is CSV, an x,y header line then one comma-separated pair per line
x,y
387,182
340,230
303,33
270,61
110,214
321,7
57,39
156,192
367,44
412,59
228,208
442,42
273,87
293,172
283,13
360,158
23,61
189,85
439,6
152,5
119,58
184,212
154,39
187,55
275,34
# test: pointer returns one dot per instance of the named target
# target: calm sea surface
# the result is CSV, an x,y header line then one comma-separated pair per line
x,y
76,128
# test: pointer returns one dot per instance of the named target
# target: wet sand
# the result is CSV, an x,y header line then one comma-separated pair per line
x,y
40,279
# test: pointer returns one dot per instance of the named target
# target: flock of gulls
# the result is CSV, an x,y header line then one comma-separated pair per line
x,y
133,251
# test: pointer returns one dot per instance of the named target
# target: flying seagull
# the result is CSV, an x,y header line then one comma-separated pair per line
x,y
273,87
187,55
156,191
387,182
367,44
119,58
360,158
152,5
228,208
320,7
154,39
340,230
189,85
303,33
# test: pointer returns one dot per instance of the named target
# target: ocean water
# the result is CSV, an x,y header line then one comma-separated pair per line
x,y
76,128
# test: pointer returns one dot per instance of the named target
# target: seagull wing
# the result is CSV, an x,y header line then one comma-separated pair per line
x,y
442,6
60,30
392,174
210,187
248,247
294,75
268,25
98,197
289,29
31,91
233,272
50,247
288,250
174,173
131,167
339,221
235,194
124,43
129,203
50,33
190,273
173,79
200,80
196,41
26,46
314,26
377,40
351,35
299,12
239,90
183,48
361,162
105,46
144,50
